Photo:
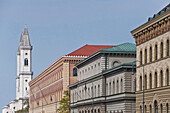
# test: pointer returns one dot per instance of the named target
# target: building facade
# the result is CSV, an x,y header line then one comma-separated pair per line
x,y
152,40
47,89
24,74
105,83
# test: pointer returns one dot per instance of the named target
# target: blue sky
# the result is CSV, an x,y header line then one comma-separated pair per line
x,y
57,27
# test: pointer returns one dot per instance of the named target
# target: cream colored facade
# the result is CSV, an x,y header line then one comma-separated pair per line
x,y
152,39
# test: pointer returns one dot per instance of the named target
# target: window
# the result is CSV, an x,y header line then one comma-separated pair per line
x,y
113,87
140,83
82,94
156,106
161,78
150,78
167,108
106,89
150,54
98,90
167,48
150,109
26,88
161,50
94,91
145,56
98,110
121,90
145,109
26,80
51,98
110,88
155,79
25,62
13,107
145,82
117,86
156,52
99,64
26,53
89,91
75,72
140,57
140,109
167,76
161,108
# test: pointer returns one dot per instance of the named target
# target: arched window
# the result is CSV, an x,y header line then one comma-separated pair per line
x,y
161,51
145,82
141,58
121,90
145,109
156,106
98,110
25,62
145,56
106,88
113,87
161,78
140,109
161,108
150,78
140,83
110,88
150,54
156,52
98,90
75,72
150,109
167,108
155,79
167,48
167,76
88,111
95,111
117,86
94,91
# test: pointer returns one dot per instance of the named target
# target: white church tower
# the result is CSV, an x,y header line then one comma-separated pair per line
x,y
24,65
24,74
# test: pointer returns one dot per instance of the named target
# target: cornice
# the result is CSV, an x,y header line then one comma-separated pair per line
x,y
59,62
150,23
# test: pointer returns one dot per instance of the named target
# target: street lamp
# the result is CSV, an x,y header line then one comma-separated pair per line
x,y
143,80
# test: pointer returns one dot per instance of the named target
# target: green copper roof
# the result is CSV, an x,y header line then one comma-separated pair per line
x,y
125,47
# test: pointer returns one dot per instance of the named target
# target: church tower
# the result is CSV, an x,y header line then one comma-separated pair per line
x,y
24,66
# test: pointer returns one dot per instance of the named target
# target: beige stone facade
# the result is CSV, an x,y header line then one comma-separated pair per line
x,y
152,39
47,88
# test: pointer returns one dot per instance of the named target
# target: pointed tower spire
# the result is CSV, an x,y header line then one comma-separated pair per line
x,y
21,37
25,30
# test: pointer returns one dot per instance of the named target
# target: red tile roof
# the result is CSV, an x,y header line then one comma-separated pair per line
x,y
88,50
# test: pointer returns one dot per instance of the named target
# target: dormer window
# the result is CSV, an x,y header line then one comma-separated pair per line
x,y
25,62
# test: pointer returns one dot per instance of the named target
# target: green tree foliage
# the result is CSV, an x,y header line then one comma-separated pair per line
x,y
64,103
